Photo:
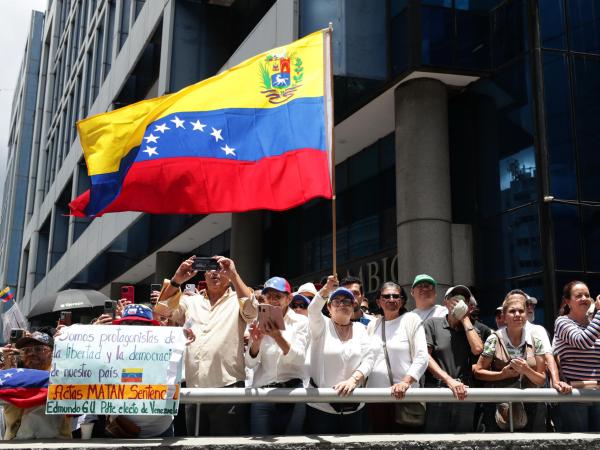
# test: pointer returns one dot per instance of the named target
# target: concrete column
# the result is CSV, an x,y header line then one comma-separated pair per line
x,y
247,246
423,200
166,264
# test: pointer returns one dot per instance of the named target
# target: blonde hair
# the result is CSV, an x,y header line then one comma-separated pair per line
x,y
514,297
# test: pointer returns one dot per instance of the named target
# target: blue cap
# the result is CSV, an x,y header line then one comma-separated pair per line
x,y
301,298
342,292
277,284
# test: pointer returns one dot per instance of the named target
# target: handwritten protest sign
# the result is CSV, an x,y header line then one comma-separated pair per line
x,y
114,369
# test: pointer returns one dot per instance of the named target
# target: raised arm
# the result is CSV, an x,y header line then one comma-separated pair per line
x,y
582,339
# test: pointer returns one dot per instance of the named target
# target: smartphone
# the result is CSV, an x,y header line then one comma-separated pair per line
x,y
154,287
190,287
203,264
128,293
110,308
16,334
268,312
66,318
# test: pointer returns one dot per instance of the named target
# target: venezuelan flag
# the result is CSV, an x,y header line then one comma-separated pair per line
x,y
132,375
256,136
6,295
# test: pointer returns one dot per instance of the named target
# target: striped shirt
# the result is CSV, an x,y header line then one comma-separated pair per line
x,y
578,348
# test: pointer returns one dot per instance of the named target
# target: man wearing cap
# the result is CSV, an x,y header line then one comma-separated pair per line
x,y
36,353
277,357
423,291
218,315
454,344
500,323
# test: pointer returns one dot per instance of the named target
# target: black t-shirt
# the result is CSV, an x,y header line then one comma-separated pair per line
x,y
450,349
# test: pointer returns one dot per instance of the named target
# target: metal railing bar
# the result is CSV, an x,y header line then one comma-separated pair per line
x,y
382,395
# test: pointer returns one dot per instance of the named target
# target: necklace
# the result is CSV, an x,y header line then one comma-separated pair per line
x,y
341,325
347,331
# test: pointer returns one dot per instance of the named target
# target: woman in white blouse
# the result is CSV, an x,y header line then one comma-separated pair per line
x,y
342,356
277,357
407,352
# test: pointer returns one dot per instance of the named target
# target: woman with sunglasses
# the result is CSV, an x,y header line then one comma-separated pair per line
x,y
401,358
341,356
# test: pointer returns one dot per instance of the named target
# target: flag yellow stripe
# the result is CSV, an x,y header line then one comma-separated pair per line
x,y
107,138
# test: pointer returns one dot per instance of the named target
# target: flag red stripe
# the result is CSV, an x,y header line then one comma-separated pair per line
x,y
188,185
24,397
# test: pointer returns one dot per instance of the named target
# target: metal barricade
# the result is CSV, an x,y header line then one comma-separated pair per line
x,y
381,395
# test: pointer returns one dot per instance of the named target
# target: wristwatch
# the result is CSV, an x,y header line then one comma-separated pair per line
x,y
174,283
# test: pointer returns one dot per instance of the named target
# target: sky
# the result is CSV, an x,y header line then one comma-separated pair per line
x,y
15,16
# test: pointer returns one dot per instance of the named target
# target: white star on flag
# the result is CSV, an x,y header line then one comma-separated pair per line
x,y
216,134
198,125
178,122
162,127
150,150
7,375
151,138
228,150
20,370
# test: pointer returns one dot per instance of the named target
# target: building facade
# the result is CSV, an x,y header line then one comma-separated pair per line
x,y
465,139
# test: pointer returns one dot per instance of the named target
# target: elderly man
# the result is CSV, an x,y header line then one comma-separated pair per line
x,y
36,353
424,291
218,316
454,344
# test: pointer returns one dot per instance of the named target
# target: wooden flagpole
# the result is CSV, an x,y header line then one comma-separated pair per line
x,y
332,149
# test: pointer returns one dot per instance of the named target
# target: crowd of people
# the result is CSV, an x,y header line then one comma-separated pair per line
x,y
329,338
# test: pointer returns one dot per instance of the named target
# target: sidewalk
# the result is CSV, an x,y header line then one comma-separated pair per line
x,y
521,441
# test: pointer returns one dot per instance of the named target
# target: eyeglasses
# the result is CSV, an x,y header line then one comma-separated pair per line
x,y
299,306
389,296
35,349
341,302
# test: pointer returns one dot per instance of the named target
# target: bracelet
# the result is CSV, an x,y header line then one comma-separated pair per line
x,y
174,283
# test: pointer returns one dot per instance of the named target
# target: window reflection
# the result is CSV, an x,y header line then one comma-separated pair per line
x,y
517,178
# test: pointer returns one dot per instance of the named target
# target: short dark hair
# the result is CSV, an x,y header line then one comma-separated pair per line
x,y
352,280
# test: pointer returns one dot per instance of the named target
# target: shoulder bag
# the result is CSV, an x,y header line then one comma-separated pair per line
x,y
407,414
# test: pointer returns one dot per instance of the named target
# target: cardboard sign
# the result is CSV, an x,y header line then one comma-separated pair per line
x,y
116,369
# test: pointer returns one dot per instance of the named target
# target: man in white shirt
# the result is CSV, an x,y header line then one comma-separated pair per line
x,y
424,292
277,357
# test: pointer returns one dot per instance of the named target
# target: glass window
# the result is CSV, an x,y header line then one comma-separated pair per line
x,y
437,36
400,37
472,40
567,236
591,238
584,21
557,111
552,24
509,31
506,153
509,245
587,119
124,26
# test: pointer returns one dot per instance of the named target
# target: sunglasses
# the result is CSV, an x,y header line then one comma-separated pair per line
x,y
299,306
341,301
389,296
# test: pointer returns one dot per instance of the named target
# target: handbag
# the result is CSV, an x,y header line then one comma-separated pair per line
x,y
519,415
407,414
121,427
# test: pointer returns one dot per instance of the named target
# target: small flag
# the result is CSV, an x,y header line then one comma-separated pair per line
x,y
6,295
24,388
132,375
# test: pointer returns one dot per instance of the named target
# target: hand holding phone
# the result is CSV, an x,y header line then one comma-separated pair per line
x,y
110,308
128,293
270,316
203,264
16,334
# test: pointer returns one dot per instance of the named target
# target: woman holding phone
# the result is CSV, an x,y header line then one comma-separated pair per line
x,y
512,358
342,356
277,350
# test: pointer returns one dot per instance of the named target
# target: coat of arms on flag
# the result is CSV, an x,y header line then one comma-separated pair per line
x,y
281,75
